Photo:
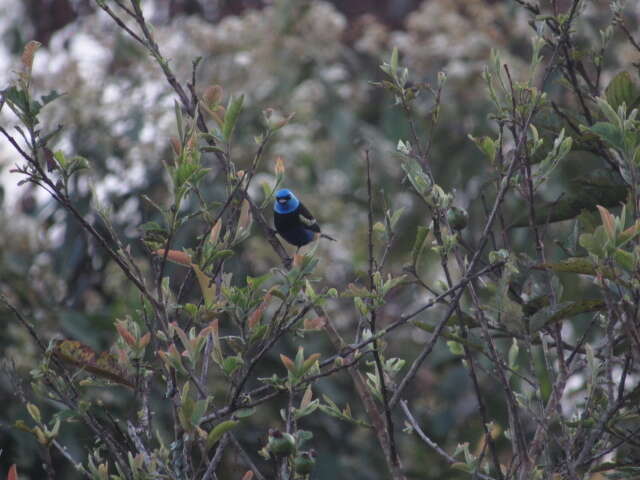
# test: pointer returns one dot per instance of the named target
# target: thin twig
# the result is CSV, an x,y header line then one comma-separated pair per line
x,y
245,456
393,460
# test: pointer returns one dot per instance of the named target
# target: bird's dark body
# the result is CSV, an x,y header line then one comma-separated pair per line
x,y
293,229
293,221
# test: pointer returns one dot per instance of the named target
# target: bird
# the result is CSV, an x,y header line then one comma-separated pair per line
x,y
293,221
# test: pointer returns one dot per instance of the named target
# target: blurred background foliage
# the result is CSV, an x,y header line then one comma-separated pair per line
x,y
314,58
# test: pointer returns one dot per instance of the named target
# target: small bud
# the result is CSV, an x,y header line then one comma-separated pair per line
x,y
287,362
212,95
458,218
40,436
27,56
442,78
192,142
176,145
275,120
126,335
297,259
215,232
244,222
279,166
50,160
379,227
34,411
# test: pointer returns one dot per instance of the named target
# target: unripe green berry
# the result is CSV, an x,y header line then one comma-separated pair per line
x,y
281,443
304,463
457,218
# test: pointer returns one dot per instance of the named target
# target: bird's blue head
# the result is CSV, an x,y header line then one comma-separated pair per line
x,y
286,201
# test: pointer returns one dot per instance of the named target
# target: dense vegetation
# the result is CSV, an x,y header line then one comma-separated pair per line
x,y
476,318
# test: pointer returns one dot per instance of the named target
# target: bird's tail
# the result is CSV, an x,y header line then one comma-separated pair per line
x,y
324,235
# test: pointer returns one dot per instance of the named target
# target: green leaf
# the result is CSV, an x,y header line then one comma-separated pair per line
x,y
231,116
218,431
622,89
608,132
561,311
611,115
395,217
418,244
586,193
307,409
245,412
463,467
391,283
580,265
596,243
542,374
179,121
258,333
50,97
394,61
231,364
303,436
514,350
18,98
183,173
152,227
419,180
625,259
220,254
486,145
198,411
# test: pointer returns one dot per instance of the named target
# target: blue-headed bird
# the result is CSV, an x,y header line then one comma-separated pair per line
x,y
293,221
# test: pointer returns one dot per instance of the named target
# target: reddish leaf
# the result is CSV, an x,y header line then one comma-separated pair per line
x,y
245,215
175,256
248,475
176,145
297,259
27,55
103,365
215,232
316,323
279,166
13,473
213,94
608,221
256,316
126,335
144,341
287,362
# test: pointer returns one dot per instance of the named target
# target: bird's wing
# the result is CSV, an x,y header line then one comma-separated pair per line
x,y
307,219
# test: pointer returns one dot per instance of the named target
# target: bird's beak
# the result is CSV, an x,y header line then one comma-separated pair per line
x,y
282,201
